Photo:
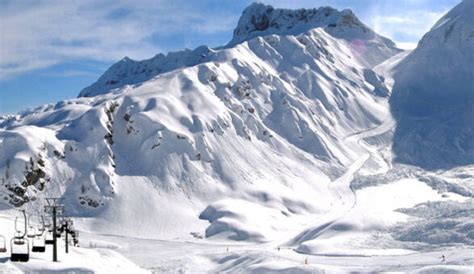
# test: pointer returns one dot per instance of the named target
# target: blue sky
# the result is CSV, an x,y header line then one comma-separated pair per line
x,y
50,50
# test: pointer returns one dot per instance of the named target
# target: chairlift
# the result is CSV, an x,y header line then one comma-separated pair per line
x,y
49,237
47,223
39,242
3,244
48,231
75,237
31,230
70,225
20,247
42,228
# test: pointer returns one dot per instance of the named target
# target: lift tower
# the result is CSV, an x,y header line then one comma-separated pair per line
x,y
55,208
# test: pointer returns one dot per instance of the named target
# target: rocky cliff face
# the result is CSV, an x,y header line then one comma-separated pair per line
x,y
259,19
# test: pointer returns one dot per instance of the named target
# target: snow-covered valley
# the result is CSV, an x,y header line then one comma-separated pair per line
x,y
302,146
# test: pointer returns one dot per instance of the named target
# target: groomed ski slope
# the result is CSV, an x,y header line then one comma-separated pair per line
x,y
343,197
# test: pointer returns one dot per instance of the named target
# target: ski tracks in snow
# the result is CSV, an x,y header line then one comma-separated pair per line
x,y
344,198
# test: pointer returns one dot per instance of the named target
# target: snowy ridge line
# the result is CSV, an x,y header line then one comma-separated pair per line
x,y
257,20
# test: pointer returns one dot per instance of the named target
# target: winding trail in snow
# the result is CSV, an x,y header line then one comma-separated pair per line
x,y
200,256
344,198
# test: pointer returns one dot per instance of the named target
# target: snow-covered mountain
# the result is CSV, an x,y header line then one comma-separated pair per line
x,y
259,123
283,136
368,47
257,20
433,96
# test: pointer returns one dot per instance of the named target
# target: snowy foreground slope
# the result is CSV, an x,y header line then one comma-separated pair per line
x,y
273,150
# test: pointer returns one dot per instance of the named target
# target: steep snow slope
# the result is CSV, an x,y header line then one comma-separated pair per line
x,y
261,124
433,95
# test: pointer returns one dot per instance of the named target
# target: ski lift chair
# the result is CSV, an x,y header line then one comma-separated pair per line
x,y
59,231
47,223
31,234
75,237
19,246
31,230
49,237
39,242
20,249
48,232
3,244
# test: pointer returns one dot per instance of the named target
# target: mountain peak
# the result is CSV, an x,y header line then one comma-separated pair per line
x,y
260,19
257,20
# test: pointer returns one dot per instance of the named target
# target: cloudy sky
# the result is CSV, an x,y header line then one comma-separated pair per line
x,y
50,50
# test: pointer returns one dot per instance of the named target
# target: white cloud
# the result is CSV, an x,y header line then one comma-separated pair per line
x,y
71,73
13,69
406,27
39,34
